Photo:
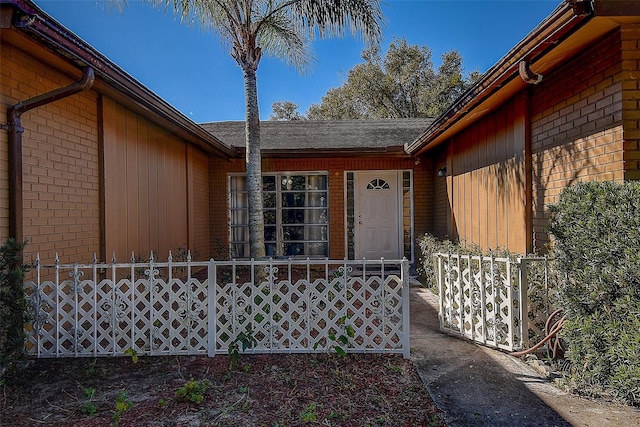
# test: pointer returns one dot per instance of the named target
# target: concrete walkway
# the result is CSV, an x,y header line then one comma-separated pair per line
x,y
478,386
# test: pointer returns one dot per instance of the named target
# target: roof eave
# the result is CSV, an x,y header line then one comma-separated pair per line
x,y
392,151
558,26
35,23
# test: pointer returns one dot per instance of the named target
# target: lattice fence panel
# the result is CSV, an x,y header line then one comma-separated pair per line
x,y
125,307
480,300
487,299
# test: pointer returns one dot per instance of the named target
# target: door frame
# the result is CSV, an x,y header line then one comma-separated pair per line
x,y
399,212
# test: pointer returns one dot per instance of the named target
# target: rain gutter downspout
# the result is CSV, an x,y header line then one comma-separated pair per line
x,y
15,129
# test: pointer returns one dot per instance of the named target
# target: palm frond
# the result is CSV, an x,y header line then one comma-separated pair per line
x,y
332,18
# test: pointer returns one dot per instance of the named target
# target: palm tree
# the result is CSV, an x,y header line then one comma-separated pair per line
x,y
280,28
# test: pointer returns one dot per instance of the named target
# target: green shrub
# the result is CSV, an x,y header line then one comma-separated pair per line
x,y
13,302
596,231
430,245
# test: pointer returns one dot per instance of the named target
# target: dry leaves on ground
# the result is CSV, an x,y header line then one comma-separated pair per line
x,y
261,390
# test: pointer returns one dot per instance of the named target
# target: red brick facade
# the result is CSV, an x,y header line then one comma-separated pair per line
x,y
577,127
336,168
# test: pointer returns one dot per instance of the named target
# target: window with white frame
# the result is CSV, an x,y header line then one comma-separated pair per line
x,y
295,214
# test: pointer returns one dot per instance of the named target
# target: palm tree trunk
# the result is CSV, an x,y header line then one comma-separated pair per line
x,y
253,161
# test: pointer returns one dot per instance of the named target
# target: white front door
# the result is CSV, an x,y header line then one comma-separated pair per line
x,y
377,215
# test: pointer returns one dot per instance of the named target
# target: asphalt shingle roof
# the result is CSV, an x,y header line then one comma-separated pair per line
x,y
323,135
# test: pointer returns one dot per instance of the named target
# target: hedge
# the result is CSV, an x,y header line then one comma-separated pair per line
x,y
595,228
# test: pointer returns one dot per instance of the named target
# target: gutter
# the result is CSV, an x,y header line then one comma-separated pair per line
x,y
15,129
562,22
41,27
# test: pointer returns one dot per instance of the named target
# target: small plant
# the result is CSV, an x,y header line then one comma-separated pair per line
x,y
309,413
133,353
393,368
342,339
244,340
88,407
193,391
123,404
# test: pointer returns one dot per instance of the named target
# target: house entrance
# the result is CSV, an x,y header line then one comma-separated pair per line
x,y
377,203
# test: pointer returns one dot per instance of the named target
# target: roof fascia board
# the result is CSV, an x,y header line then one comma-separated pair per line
x,y
397,151
559,25
613,8
35,23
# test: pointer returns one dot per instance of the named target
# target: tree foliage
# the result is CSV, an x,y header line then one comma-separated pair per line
x,y
285,110
402,84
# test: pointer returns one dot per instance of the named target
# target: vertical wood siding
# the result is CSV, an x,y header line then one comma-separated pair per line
x,y
198,170
147,187
486,181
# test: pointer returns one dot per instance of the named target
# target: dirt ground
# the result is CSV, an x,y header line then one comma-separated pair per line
x,y
260,390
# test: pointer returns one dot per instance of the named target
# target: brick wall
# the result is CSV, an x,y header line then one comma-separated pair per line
x,y
576,127
630,82
60,162
336,168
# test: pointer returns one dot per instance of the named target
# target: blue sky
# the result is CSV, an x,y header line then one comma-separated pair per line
x,y
194,72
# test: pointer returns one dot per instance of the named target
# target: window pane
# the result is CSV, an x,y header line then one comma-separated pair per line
x,y
315,216
268,183
291,216
270,249
269,200
317,182
292,249
316,232
238,183
270,233
239,250
317,248
317,200
293,233
270,217
293,199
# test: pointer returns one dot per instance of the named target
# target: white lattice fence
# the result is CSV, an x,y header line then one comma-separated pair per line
x,y
486,299
162,309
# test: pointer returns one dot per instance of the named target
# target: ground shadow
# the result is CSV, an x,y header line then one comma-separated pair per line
x,y
470,386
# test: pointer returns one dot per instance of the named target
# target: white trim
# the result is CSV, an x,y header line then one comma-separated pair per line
x,y
400,213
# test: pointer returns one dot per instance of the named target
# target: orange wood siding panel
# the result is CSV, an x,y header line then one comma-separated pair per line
x,y
486,181
198,163
146,186
60,162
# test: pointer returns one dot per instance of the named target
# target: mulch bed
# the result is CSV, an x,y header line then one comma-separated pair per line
x,y
260,390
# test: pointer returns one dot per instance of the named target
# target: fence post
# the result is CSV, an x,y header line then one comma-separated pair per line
x,y
406,335
211,308
523,286
441,305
